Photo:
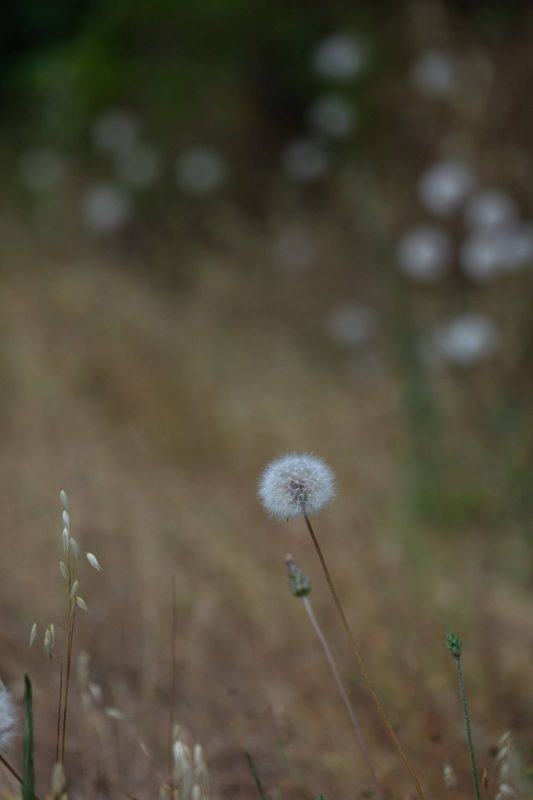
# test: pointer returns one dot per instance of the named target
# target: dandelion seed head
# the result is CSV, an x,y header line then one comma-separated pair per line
x,y
8,718
296,484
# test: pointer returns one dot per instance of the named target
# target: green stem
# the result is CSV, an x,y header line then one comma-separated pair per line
x,y
471,750
255,773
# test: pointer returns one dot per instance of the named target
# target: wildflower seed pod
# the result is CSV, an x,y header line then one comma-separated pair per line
x,y
454,644
299,584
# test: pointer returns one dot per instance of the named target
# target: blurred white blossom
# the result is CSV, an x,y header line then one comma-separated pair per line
x,y
445,185
305,160
116,132
42,168
463,341
201,170
106,207
490,209
351,324
482,255
332,116
424,253
435,72
340,57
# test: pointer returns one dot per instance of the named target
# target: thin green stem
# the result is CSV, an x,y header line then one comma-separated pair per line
x,y
469,740
362,666
256,776
342,691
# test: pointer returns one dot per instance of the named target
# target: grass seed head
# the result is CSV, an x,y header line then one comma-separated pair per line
x,y
93,561
33,633
454,644
295,485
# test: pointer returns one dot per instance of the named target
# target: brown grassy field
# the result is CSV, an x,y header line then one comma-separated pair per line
x,y
156,407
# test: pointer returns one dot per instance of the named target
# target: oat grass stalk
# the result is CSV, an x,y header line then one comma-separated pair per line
x,y
342,691
455,646
361,663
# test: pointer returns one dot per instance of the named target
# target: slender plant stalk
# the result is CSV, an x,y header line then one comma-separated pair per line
x,y
362,666
351,712
72,618
256,776
10,769
455,647
59,705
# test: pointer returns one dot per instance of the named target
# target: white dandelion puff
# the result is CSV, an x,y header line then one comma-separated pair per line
x,y
295,485
8,718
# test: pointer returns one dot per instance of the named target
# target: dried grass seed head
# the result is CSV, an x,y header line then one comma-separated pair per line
x,y
8,718
295,485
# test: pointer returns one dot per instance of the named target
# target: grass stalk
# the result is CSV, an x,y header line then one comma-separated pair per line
x,y
28,772
257,778
361,663
455,647
342,691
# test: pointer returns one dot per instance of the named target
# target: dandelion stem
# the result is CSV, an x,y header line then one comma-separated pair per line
x,y
351,712
362,666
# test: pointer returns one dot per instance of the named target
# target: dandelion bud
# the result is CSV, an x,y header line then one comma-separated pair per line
x,y
8,718
93,561
33,633
296,485
299,584
454,644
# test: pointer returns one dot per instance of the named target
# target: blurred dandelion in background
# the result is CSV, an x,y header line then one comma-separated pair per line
x,y
106,208
435,73
444,186
201,170
425,253
340,57
490,208
463,341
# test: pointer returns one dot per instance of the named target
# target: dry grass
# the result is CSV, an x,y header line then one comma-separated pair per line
x,y
156,410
